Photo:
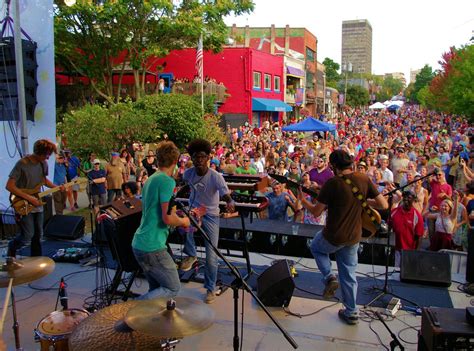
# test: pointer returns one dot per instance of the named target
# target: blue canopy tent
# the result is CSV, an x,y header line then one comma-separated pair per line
x,y
393,107
310,124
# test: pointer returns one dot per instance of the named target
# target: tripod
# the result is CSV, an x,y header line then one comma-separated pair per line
x,y
238,283
384,291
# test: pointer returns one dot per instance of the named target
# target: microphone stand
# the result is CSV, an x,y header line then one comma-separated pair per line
x,y
395,342
384,291
238,283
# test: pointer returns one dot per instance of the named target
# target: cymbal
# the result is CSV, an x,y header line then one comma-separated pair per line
x,y
167,318
105,330
25,270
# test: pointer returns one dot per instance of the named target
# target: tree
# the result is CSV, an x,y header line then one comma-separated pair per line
x,y
391,87
357,96
98,41
332,77
177,115
101,128
423,79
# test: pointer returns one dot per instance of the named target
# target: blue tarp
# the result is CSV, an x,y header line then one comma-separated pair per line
x,y
393,107
272,105
310,124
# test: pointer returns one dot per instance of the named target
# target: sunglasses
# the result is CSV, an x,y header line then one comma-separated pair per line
x,y
294,167
246,160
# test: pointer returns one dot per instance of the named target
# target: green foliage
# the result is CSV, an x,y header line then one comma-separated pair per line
x,y
459,88
426,98
212,131
97,40
423,79
102,128
391,87
209,102
332,77
357,96
177,115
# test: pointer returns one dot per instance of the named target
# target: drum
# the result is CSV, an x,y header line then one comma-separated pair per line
x,y
53,330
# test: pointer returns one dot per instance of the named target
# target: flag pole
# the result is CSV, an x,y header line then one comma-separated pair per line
x,y
202,76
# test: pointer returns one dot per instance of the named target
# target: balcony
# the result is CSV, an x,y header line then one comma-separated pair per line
x,y
219,90
290,96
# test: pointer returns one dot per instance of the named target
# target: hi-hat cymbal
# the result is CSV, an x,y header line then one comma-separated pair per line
x,y
166,318
105,330
25,270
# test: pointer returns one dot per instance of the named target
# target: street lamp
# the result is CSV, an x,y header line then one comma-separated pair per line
x,y
346,68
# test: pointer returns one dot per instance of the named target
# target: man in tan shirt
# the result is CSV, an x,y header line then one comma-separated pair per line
x,y
115,177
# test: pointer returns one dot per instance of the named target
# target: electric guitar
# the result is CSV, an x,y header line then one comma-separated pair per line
x,y
24,207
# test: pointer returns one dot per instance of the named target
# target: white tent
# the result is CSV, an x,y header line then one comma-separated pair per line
x,y
377,106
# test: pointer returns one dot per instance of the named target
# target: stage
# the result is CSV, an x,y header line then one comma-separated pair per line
x,y
319,331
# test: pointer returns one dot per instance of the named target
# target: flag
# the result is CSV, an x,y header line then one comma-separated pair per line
x,y
199,59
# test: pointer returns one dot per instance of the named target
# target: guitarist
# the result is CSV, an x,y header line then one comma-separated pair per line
x,y
343,229
30,172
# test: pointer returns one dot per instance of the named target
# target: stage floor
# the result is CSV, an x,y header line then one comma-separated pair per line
x,y
320,331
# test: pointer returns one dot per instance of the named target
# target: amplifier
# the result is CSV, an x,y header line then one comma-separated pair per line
x,y
445,329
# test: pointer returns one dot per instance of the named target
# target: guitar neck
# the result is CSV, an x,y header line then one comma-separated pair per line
x,y
57,188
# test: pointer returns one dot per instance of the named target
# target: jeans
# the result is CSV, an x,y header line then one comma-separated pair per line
x,y
161,273
210,224
346,258
113,194
31,229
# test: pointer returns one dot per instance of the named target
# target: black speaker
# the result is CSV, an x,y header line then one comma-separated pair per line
x,y
65,227
8,81
119,234
425,267
470,257
275,285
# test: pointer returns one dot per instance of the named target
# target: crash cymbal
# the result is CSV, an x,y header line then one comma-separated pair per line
x,y
105,330
25,270
167,318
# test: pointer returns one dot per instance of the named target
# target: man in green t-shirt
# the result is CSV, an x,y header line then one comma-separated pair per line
x,y
149,242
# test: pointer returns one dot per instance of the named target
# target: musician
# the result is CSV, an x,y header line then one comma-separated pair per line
x,y
28,173
149,241
207,186
343,229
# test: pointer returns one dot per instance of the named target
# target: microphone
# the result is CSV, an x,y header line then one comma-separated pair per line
x,y
178,193
63,294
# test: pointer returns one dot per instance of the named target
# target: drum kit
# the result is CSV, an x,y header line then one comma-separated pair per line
x,y
157,324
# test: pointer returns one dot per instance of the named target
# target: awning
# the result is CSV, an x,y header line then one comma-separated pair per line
x,y
261,104
295,71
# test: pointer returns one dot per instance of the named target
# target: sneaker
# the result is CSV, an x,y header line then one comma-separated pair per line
x,y
351,320
330,289
187,263
210,297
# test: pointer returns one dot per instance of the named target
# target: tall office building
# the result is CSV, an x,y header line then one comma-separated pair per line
x,y
356,51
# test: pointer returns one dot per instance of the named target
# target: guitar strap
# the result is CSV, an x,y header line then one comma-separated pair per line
x,y
361,198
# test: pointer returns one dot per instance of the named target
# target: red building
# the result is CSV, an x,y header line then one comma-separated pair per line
x,y
254,81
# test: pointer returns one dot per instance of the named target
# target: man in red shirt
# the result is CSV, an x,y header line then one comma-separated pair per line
x,y
407,224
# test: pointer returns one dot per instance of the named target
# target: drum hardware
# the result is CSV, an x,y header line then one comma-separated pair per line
x,y
15,272
165,318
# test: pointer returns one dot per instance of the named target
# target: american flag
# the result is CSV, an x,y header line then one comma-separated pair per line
x,y
199,58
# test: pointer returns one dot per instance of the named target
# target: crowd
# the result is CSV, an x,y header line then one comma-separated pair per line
x,y
393,149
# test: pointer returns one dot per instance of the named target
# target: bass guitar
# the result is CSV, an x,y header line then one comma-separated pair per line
x,y
24,207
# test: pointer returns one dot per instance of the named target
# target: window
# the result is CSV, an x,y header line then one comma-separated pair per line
x,y
267,82
310,55
257,77
276,83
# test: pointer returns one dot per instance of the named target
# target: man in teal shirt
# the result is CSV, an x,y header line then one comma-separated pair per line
x,y
149,242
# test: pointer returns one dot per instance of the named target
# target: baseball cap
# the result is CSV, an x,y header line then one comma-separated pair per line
x,y
96,161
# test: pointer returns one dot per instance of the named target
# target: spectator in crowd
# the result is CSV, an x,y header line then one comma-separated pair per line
x,y
115,175
97,183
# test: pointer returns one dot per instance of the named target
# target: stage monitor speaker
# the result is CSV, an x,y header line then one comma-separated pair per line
x,y
65,227
425,267
275,285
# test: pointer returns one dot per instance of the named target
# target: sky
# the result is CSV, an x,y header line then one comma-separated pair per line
x,y
406,34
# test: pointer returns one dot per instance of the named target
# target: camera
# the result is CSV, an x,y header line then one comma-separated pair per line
x,y
382,183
